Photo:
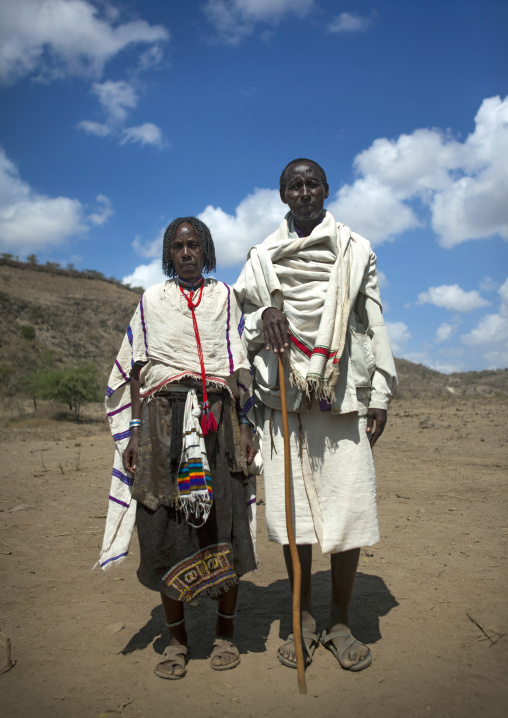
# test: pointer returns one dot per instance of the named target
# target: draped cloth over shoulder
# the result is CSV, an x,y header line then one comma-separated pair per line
x,y
315,272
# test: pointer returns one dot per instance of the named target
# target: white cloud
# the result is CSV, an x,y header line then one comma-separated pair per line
x,y
103,213
234,20
383,281
399,336
496,360
373,210
445,367
347,22
94,128
492,329
488,285
453,297
146,275
444,332
257,216
150,58
491,333
30,221
150,249
146,134
461,186
116,98
59,38
503,293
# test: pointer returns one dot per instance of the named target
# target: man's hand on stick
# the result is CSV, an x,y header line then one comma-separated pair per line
x,y
379,416
275,327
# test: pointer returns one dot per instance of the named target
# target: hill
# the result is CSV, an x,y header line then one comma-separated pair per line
x,y
55,318
52,317
419,382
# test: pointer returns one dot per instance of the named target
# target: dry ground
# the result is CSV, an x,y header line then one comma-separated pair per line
x,y
86,642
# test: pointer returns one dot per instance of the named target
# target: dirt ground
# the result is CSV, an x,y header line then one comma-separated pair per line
x,y
430,598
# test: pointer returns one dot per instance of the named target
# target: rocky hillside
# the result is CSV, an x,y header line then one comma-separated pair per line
x,y
418,381
51,317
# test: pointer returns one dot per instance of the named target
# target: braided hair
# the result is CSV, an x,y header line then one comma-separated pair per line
x,y
205,239
282,181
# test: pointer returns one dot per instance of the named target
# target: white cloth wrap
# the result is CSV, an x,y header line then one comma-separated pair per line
x,y
333,480
309,279
299,278
161,334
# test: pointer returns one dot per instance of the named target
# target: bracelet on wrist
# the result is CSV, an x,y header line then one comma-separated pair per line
x,y
135,423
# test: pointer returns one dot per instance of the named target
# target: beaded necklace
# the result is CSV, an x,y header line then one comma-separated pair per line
x,y
208,422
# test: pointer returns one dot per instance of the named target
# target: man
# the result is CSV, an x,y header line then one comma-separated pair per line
x,y
310,291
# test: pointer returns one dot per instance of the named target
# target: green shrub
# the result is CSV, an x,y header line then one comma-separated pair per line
x,y
73,386
27,332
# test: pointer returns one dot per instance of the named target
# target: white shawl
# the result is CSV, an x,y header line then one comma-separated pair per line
x,y
315,273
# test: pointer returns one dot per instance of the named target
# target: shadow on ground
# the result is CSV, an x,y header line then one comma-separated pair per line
x,y
259,606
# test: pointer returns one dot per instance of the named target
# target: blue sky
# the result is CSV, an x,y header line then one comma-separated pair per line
x,y
120,116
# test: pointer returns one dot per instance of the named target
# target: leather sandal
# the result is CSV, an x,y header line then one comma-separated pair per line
x,y
175,656
326,640
221,647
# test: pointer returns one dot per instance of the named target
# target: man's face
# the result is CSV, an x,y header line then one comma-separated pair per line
x,y
187,253
305,192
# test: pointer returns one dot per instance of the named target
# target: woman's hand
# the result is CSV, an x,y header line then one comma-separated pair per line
x,y
249,449
130,455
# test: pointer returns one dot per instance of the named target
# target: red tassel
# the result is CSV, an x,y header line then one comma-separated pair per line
x,y
208,423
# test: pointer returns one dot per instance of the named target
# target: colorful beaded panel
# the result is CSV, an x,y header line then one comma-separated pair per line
x,y
202,571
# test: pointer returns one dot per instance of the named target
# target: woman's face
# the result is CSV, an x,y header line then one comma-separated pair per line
x,y
187,253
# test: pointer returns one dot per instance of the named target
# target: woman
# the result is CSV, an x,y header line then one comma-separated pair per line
x,y
183,445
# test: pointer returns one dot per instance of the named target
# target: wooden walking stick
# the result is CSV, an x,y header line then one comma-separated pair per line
x,y
295,559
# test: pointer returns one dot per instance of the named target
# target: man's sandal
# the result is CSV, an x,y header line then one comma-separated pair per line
x,y
326,640
308,650
174,656
222,647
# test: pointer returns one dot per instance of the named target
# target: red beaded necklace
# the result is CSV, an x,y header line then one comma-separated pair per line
x,y
208,422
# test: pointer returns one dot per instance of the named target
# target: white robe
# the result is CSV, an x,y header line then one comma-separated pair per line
x,y
334,481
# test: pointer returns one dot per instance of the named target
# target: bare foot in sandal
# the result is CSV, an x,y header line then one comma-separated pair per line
x,y
225,655
173,663
287,654
350,653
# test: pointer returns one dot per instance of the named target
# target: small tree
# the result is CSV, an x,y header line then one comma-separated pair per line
x,y
32,259
73,386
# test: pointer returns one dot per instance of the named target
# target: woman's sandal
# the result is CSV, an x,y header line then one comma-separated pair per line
x,y
326,640
221,647
175,656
